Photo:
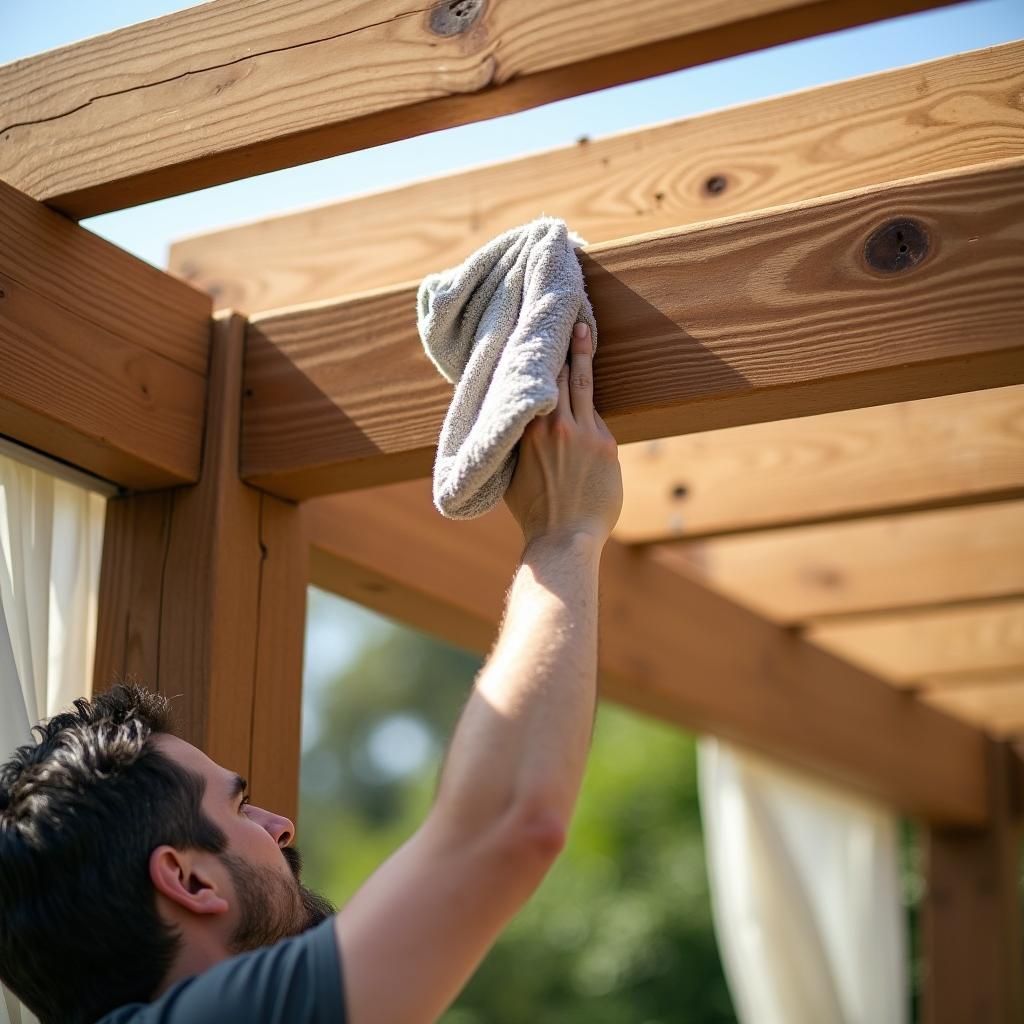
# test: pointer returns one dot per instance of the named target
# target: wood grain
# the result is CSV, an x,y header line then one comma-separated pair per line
x,y
669,648
951,450
257,86
104,357
937,116
754,318
914,645
202,598
878,564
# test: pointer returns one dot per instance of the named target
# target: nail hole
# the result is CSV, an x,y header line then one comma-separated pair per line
x,y
715,185
679,491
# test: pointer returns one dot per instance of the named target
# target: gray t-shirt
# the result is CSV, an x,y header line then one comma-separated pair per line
x,y
296,981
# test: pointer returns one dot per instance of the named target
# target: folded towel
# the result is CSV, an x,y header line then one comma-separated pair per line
x,y
498,327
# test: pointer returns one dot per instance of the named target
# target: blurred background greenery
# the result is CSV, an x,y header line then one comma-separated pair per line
x,y
620,932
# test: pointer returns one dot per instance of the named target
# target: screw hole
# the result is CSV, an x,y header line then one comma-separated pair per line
x,y
903,248
899,236
679,491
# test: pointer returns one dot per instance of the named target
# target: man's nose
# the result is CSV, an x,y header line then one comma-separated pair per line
x,y
278,826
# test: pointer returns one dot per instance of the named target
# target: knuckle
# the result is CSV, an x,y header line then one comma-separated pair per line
x,y
581,380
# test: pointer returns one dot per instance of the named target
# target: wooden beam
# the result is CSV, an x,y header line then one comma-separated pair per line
x,y
952,450
104,357
971,919
996,705
937,116
878,564
669,648
911,646
98,126
755,318
202,594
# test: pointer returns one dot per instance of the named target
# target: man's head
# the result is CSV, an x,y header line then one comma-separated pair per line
x,y
128,859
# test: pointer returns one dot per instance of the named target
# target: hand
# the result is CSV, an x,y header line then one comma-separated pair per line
x,y
568,480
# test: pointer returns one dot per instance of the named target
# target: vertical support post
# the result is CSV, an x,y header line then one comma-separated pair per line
x,y
974,963
202,597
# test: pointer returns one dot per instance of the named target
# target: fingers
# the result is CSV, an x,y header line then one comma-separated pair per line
x,y
564,407
581,377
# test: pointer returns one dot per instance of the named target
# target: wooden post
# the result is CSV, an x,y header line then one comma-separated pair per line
x,y
974,964
202,597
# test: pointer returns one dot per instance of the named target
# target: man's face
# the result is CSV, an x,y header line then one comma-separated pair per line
x,y
269,899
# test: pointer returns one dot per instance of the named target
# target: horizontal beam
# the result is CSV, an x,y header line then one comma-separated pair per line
x,y
103,356
754,318
98,126
669,648
947,451
884,563
996,704
938,116
910,647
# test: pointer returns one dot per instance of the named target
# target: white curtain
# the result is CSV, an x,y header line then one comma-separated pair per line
x,y
51,539
806,896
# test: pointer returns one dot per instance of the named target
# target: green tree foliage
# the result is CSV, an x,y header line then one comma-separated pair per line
x,y
619,933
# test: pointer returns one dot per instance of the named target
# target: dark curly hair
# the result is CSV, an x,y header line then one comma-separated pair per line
x,y
80,813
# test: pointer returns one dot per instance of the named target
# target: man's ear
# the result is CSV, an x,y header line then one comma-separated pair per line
x,y
182,878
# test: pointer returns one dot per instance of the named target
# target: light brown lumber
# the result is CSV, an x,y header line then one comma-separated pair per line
x,y
952,450
669,647
233,88
882,563
936,116
754,318
971,912
996,704
202,597
103,356
910,646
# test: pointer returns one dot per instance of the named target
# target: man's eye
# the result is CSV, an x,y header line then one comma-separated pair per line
x,y
243,804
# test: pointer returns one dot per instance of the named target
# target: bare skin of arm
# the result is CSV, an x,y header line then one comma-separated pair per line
x,y
412,936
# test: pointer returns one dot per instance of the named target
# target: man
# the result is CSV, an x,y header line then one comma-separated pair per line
x,y
137,884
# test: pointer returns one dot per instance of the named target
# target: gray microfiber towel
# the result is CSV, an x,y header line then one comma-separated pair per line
x,y
498,327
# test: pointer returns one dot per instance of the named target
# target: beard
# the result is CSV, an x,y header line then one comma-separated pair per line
x,y
272,907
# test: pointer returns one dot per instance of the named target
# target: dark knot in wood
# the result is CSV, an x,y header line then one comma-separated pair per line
x,y
455,16
897,245
715,185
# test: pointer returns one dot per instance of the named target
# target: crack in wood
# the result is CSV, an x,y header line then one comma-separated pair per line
x,y
216,67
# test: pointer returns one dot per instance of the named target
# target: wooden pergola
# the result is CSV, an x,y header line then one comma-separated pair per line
x,y
812,352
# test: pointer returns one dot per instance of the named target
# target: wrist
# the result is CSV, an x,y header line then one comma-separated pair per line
x,y
580,543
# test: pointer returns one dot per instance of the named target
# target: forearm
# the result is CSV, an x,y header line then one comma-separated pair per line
x,y
523,738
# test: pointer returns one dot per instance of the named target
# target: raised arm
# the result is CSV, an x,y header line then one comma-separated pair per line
x,y
412,936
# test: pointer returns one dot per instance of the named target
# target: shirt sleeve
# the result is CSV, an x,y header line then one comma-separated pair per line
x,y
296,981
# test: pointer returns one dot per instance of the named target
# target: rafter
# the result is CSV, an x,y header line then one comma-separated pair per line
x,y
103,357
754,318
937,116
669,647
908,647
952,450
887,562
97,126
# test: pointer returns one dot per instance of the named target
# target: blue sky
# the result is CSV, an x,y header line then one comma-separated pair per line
x,y
29,27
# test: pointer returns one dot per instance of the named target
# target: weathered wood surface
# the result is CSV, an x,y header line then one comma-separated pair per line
x,y
669,647
952,450
760,317
103,356
936,116
883,563
232,88
910,646
202,593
